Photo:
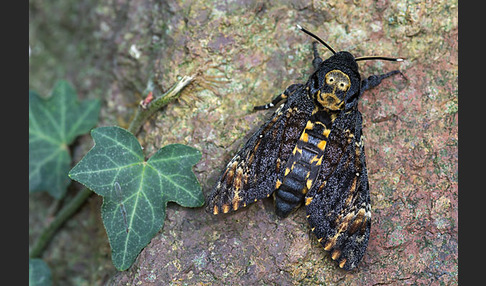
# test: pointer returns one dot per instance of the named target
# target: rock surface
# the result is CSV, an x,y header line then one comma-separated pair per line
x,y
244,53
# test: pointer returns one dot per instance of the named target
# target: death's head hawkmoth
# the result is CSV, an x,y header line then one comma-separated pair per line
x,y
311,152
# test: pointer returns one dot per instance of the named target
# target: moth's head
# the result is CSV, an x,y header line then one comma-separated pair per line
x,y
336,82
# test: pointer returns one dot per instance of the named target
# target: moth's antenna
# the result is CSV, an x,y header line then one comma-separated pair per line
x,y
379,58
316,37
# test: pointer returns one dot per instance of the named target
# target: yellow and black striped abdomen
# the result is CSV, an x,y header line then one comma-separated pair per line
x,y
304,164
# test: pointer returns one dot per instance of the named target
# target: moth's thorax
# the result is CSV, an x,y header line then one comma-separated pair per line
x,y
336,82
332,94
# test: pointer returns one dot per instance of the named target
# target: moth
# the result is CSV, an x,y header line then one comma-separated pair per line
x,y
311,152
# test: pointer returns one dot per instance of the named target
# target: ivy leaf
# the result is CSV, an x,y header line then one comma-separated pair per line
x,y
135,192
54,123
39,273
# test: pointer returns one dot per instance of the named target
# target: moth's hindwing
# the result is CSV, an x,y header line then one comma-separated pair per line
x,y
253,171
338,204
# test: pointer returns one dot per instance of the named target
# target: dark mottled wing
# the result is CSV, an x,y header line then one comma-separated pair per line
x,y
338,204
253,171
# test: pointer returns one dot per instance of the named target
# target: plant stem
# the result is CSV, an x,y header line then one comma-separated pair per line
x,y
69,209
66,212
144,113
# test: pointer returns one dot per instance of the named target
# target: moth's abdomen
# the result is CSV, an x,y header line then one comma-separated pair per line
x,y
290,193
303,165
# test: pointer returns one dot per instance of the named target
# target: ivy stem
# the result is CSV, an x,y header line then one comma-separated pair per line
x,y
66,212
143,113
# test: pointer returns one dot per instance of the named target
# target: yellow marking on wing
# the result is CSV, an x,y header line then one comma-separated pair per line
x,y
351,192
308,184
236,199
308,201
226,208
238,182
277,166
358,221
215,210
229,175
250,159
331,242
336,253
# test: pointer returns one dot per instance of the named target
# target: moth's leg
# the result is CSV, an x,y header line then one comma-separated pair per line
x,y
280,97
375,80
317,59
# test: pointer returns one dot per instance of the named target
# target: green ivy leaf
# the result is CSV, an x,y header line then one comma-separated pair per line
x,y
135,192
39,273
54,123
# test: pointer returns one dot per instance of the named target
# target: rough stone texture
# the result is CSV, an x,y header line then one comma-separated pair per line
x,y
244,53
